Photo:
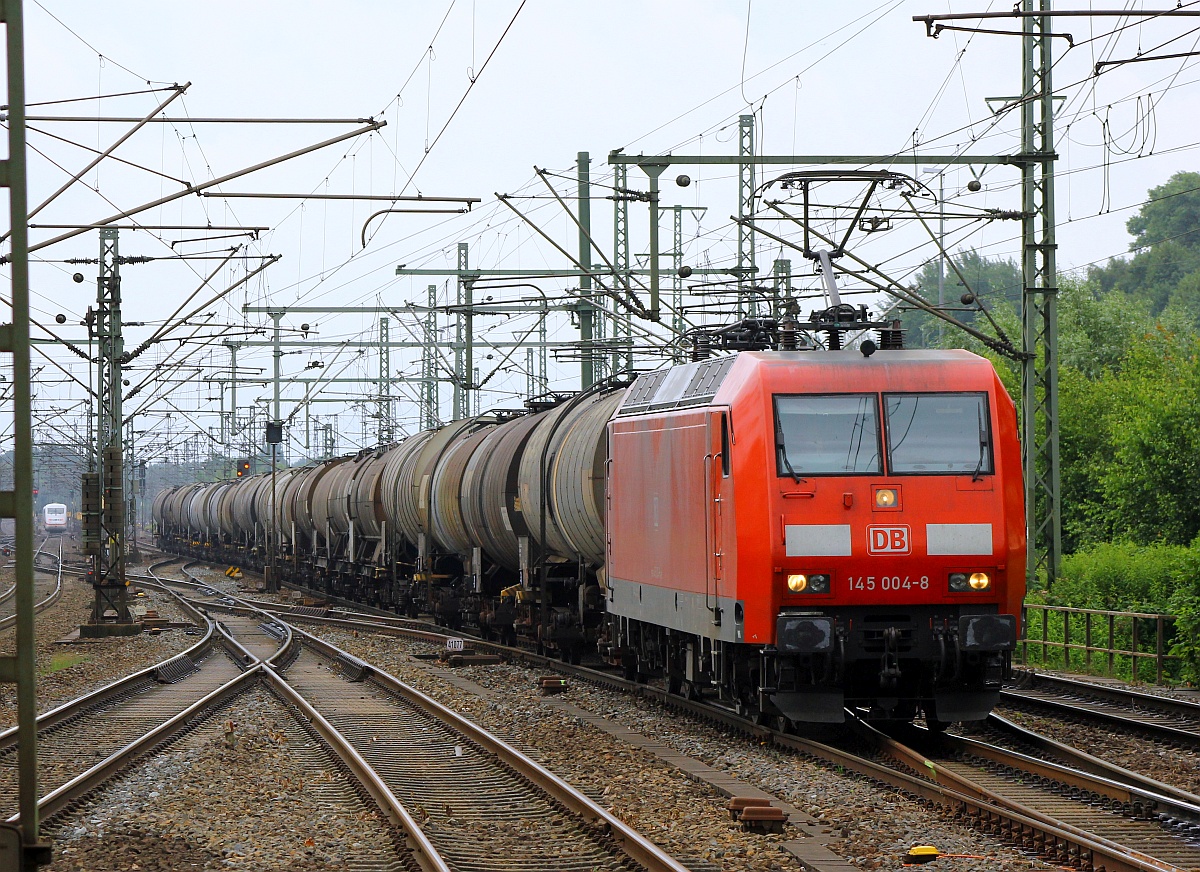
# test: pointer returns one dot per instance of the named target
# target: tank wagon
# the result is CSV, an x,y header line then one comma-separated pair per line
x,y
787,531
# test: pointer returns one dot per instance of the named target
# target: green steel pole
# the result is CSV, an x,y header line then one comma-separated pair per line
x,y
654,171
429,416
277,355
464,345
233,350
783,286
1039,333
747,302
621,259
587,376
24,667
384,430
677,283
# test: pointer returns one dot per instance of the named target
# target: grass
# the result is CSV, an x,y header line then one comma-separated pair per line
x,y
63,660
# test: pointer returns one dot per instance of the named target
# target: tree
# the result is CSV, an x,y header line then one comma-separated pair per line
x,y
1154,428
1165,269
1096,330
992,281
1171,214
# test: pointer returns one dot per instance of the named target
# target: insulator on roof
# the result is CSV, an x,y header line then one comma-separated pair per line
x,y
891,338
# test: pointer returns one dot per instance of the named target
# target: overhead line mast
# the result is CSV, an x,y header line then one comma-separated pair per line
x,y
23,850
1039,309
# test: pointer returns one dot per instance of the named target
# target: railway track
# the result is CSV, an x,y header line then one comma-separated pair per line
x,y
85,741
1059,810
88,742
465,799
1109,815
48,572
1165,719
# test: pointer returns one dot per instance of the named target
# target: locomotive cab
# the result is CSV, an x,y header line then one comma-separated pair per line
x,y
824,530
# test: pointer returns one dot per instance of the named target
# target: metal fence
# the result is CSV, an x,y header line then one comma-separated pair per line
x,y
1130,645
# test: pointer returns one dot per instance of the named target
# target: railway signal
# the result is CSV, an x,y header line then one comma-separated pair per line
x,y
243,468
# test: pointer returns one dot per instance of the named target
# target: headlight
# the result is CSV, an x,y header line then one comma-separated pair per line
x,y
886,498
962,582
804,583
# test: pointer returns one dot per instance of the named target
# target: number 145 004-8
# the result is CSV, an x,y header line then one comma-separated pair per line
x,y
888,582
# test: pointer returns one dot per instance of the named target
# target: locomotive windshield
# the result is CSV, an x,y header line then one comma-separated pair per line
x,y
827,435
927,434
938,433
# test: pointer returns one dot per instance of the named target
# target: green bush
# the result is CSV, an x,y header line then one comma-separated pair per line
x,y
1126,577
1152,579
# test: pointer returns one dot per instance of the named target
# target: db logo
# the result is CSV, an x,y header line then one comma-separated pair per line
x,y
887,540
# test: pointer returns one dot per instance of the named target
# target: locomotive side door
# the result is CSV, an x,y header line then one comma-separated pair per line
x,y
716,480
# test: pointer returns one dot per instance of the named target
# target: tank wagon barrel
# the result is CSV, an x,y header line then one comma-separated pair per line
x,y
365,498
447,512
577,479
491,501
156,508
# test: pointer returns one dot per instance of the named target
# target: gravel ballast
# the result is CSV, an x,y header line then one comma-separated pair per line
x,y
68,671
871,827
238,813
248,790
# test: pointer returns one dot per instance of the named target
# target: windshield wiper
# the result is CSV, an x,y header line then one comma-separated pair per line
x,y
983,446
781,447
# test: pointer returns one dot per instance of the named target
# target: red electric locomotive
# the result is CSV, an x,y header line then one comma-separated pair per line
x,y
806,532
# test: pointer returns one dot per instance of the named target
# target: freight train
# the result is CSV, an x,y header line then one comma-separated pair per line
x,y
789,533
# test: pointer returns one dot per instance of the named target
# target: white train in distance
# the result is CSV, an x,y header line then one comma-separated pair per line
x,y
54,516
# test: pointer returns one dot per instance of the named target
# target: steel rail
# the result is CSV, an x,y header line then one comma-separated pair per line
x,y
634,844
1029,680
1020,825
1126,722
84,783
1085,762
1099,777
1018,828
50,599
1102,853
637,846
120,687
423,851
383,629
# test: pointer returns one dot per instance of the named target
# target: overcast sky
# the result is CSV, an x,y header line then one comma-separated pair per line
x,y
550,80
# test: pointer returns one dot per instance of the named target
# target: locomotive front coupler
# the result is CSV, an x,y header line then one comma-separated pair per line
x,y
889,672
949,663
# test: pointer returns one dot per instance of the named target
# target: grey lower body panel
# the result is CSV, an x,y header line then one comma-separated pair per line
x,y
964,705
679,610
815,706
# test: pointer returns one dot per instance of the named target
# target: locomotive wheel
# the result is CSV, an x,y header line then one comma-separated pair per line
x,y
629,666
